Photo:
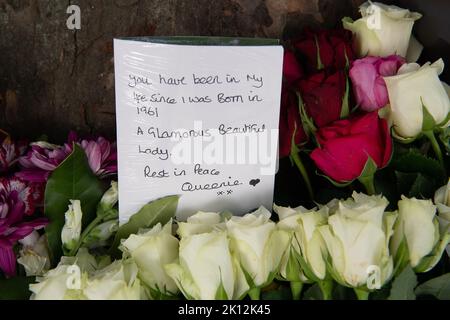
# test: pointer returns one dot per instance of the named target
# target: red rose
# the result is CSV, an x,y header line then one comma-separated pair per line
x,y
289,122
333,45
322,96
292,71
346,145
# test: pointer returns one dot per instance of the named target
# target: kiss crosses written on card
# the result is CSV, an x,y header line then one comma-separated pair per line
x,y
199,121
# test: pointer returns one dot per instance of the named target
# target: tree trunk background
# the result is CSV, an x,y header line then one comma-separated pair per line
x,y
53,79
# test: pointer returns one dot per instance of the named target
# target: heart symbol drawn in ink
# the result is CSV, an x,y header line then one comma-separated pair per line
x,y
254,182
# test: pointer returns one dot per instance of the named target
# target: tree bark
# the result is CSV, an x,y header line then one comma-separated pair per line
x,y
53,79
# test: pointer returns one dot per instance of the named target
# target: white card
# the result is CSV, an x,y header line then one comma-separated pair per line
x,y
197,121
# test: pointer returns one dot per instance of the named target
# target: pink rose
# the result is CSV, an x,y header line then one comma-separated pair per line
x,y
368,83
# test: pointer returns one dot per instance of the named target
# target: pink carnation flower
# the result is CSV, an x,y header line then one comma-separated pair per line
x,y
102,156
41,160
10,153
17,203
44,157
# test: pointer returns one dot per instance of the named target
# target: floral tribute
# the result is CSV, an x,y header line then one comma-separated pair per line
x,y
364,127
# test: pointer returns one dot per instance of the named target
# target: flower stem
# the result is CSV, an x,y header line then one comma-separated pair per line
x,y
298,162
254,293
362,294
435,145
296,289
326,286
368,183
86,232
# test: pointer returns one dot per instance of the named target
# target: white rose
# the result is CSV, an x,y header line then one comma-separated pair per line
x,y
118,281
201,222
78,278
357,239
71,231
67,280
413,88
364,208
418,225
53,285
151,251
258,245
383,30
442,201
306,242
207,270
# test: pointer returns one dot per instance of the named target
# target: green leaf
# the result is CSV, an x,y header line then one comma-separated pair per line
x,y
293,268
445,121
403,285
15,288
404,181
158,211
370,168
428,122
445,138
73,179
345,109
415,162
248,278
156,294
307,121
423,187
221,294
304,266
401,259
320,65
368,181
438,287
415,185
429,261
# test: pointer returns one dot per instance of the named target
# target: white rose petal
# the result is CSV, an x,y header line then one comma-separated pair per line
x,y
412,89
357,239
151,251
206,265
416,224
258,244
383,30
201,222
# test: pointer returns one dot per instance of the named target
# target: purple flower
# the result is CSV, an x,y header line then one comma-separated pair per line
x,y
102,156
368,83
17,203
41,160
10,152
44,157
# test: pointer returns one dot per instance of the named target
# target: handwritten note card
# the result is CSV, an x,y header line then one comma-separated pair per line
x,y
200,121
